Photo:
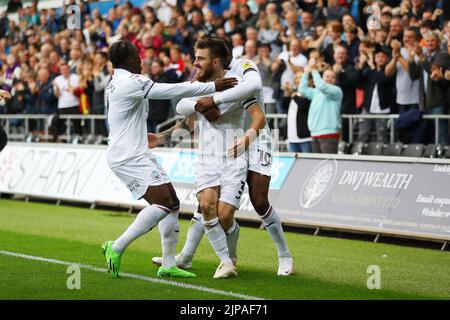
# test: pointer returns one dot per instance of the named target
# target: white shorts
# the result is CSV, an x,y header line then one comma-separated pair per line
x,y
260,154
229,175
139,174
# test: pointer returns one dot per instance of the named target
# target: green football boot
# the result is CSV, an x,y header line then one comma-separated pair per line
x,y
112,259
174,272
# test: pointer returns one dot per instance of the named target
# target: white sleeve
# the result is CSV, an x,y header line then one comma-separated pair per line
x,y
162,91
245,89
186,106
141,87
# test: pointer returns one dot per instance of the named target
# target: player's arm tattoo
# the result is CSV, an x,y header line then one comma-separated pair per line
x,y
186,124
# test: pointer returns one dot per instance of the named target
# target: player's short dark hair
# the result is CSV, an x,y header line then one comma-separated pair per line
x,y
229,47
119,52
217,47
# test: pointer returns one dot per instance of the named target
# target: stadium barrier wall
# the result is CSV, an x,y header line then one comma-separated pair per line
x,y
382,195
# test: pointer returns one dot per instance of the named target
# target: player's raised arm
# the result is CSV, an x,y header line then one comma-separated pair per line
x,y
186,106
248,87
187,89
251,83
125,59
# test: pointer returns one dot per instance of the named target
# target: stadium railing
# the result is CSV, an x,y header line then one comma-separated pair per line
x,y
22,129
355,118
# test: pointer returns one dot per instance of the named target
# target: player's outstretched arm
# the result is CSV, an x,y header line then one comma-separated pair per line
x,y
188,106
258,122
163,91
249,86
157,139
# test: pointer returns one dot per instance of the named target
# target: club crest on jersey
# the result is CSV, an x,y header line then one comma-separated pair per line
x,y
155,175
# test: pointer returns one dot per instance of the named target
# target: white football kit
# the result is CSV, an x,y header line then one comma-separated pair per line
x,y
214,168
260,150
128,154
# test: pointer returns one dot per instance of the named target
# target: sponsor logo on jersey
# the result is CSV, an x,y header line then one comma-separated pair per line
x,y
146,83
246,65
138,79
133,185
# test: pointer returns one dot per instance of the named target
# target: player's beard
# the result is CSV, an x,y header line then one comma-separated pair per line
x,y
205,74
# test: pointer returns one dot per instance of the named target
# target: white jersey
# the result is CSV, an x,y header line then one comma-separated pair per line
x,y
260,150
214,167
240,67
215,138
127,111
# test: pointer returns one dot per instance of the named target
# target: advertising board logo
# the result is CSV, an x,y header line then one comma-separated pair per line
x,y
318,183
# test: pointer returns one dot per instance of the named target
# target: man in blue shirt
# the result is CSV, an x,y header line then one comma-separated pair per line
x,y
324,117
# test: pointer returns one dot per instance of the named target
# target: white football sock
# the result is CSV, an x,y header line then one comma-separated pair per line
x,y
273,226
217,238
194,236
232,239
169,229
146,220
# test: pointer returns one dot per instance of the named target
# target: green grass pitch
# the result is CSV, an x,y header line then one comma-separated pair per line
x,y
326,268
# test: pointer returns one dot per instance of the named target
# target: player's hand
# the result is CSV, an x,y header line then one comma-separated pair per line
x,y
204,104
212,114
239,146
5,95
225,83
153,140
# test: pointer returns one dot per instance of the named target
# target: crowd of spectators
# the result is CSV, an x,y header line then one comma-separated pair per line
x,y
318,60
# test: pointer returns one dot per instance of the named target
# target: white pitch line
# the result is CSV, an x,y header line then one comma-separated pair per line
x,y
134,276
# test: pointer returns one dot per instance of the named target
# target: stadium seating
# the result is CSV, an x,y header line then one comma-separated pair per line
x,y
374,149
356,148
413,150
393,149
432,151
446,152
342,147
